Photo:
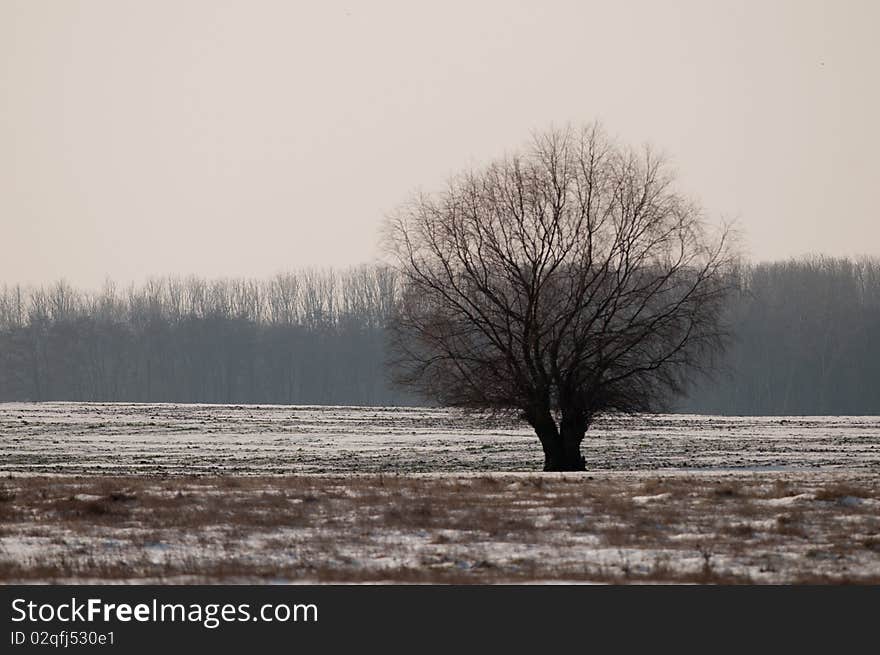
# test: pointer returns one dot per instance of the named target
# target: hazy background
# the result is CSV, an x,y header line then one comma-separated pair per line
x,y
244,138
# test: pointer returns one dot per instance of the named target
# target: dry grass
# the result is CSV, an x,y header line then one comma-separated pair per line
x,y
445,529
836,491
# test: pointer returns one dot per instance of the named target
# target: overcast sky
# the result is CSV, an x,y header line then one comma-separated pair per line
x,y
153,137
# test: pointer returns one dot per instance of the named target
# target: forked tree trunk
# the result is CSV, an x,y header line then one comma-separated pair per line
x,y
562,450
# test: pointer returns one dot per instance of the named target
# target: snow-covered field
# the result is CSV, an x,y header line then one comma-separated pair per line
x,y
198,493
211,439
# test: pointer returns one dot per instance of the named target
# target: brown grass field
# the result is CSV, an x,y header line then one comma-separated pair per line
x,y
726,528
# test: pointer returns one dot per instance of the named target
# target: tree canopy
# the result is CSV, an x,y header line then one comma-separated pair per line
x,y
563,281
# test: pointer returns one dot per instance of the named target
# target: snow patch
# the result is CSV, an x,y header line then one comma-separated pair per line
x,y
788,501
644,500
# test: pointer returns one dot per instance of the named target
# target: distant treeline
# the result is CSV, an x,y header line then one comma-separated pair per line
x,y
313,337
805,340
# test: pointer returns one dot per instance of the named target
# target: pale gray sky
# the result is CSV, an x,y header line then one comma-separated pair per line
x,y
151,137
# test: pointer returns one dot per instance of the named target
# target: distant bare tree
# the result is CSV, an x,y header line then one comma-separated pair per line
x,y
562,282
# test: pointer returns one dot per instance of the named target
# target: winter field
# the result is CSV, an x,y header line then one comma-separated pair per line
x,y
211,493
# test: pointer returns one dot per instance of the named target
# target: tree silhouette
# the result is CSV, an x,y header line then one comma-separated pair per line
x,y
563,282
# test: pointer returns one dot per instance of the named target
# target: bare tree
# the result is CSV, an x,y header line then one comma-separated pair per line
x,y
563,282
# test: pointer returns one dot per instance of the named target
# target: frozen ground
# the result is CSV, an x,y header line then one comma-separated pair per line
x,y
79,438
199,493
807,527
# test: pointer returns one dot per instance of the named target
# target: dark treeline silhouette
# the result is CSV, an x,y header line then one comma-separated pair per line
x,y
805,340
313,337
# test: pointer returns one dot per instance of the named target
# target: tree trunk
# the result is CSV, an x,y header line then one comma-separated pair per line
x,y
563,456
562,451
